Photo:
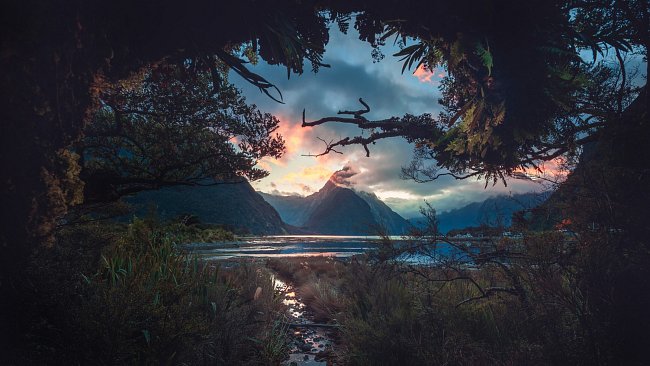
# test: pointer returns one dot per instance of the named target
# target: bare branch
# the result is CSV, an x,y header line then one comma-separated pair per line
x,y
357,119
359,113
358,140
329,147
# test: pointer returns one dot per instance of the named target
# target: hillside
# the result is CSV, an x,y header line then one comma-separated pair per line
x,y
236,206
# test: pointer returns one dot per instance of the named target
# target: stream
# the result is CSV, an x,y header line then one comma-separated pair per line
x,y
309,345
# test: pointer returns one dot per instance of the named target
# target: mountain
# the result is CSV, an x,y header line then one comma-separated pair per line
x,y
494,211
338,210
236,206
294,210
384,215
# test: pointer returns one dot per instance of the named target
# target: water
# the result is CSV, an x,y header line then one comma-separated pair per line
x,y
311,344
288,246
308,345
315,245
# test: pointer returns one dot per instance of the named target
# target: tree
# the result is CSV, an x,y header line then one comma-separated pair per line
x,y
55,56
517,92
171,126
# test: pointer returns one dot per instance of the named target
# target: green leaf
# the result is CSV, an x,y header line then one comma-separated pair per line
x,y
486,57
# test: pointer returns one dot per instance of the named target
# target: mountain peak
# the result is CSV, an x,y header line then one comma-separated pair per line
x,y
337,209
341,178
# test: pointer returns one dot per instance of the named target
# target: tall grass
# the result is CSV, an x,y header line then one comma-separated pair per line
x,y
147,303
317,281
521,304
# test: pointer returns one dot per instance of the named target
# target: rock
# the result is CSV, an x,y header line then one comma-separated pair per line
x,y
306,358
320,356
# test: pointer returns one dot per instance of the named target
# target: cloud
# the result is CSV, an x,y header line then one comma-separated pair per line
x,y
305,188
389,93
276,192
318,172
555,170
425,75
342,177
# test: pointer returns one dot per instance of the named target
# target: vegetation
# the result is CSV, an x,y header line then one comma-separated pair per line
x,y
142,79
539,300
138,300
318,281
169,125
511,99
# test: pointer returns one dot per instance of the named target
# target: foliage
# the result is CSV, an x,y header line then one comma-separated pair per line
x,y
140,301
401,314
170,125
517,91
318,281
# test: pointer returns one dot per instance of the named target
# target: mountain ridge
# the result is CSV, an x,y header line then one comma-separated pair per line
x,y
493,211
339,210
236,206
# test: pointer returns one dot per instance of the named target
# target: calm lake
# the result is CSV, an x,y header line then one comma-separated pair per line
x,y
301,246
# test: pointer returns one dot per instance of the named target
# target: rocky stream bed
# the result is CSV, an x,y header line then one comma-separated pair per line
x,y
310,343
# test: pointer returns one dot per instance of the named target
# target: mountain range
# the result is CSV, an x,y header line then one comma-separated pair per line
x,y
336,209
494,211
339,210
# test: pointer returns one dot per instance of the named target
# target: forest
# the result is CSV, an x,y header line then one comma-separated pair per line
x,y
103,100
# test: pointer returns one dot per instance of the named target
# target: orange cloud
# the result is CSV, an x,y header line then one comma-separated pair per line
x,y
293,135
553,169
316,174
426,76
423,74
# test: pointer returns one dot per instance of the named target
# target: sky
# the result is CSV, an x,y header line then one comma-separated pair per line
x,y
353,75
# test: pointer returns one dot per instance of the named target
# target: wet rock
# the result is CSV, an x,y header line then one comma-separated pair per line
x,y
321,356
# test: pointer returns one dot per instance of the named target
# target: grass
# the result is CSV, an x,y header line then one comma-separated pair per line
x,y
137,300
123,294
317,281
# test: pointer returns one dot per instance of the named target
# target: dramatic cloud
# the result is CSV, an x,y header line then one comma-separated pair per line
x,y
342,177
389,93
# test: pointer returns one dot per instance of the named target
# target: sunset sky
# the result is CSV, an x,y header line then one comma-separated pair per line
x,y
389,93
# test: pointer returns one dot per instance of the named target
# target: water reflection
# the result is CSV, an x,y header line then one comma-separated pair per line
x,y
310,246
287,246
